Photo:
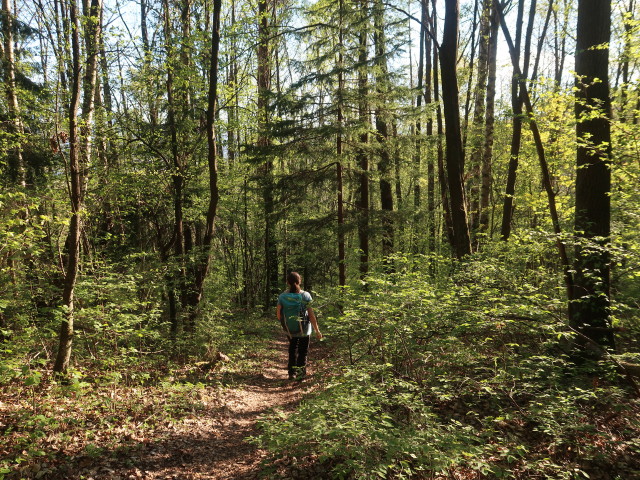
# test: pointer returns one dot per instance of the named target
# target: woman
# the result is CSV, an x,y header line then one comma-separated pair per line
x,y
293,311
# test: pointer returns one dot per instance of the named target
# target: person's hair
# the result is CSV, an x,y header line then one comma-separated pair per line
x,y
293,279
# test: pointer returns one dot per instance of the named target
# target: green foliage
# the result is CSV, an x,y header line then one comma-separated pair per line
x,y
118,398
466,370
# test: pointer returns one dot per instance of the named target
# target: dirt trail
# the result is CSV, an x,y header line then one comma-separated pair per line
x,y
214,445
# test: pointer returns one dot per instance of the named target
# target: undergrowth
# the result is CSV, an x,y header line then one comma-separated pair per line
x,y
114,399
466,372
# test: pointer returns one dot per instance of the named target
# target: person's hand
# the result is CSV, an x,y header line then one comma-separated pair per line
x,y
320,336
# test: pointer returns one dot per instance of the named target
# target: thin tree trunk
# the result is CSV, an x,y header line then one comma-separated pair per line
x,y
342,277
92,30
417,157
362,154
479,110
454,156
146,46
176,177
16,161
264,84
77,164
472,56
487,154
560,40
628,25
431,72
546,177
203,254
382,131
517,100
232,82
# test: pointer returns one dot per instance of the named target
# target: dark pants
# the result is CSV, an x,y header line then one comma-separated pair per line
x,y
298,348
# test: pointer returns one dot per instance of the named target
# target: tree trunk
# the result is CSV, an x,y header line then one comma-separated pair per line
x,y
442,177
264,84
546,177
92,30
232,82
417,156
146,46
487,153
342,276
429,73
627,36
454,155
203,253
472,63
479,109
590,304
15,160
78,161
362,154
178,280
382,131
560,40
517,100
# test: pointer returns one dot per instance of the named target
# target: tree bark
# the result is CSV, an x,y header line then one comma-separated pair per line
x,y
479,110
486,177
146,46
627,36
590,303
342,276
203,253
429,95
454,155
382,132
362,154
417,156
442,177
175,280
517,100
472,64
78,161
546,177
16,161
264,84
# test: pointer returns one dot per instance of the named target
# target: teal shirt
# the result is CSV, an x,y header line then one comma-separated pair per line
x,y
291,305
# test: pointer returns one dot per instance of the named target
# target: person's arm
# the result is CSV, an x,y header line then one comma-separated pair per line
x,y
281,319
314,322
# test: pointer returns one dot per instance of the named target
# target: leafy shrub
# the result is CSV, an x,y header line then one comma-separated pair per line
x,y
465,370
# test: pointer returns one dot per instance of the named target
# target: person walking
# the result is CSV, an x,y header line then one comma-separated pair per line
x,y
298,320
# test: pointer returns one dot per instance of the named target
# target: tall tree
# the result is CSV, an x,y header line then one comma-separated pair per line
x,y
362,153
480,94
16,161
442,175
175,280
629,28
200,267
486,176
342,276
382,119
79,156
540,150
454,153
417,157
590,311
264,141
517,101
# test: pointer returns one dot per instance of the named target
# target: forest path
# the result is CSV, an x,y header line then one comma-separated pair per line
x,y
214,445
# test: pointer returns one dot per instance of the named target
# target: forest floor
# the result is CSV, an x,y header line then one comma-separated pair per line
x,y
214,442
